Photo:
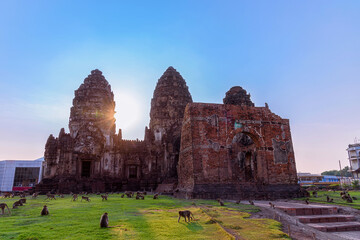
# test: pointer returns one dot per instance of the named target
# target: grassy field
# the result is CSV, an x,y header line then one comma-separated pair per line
x,y
134,219
337,198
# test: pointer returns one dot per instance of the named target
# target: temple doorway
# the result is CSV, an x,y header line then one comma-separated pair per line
x,y
86,169
243,155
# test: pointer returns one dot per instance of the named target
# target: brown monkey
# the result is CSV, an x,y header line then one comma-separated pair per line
x,y
50,196
129,194
272,205
104,220
186,214
104,197
139,196
251,202
44,211
307,201
34,196
74,197
221,203
22,200
7,195
122,195
3,206
156,196
85,198
16,204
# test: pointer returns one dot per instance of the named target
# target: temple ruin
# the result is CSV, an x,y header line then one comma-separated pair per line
x,y
193,150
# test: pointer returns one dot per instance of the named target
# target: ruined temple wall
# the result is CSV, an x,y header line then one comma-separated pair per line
x,y
208,132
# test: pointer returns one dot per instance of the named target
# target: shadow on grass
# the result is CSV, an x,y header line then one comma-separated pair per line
x,y
192,226
139,222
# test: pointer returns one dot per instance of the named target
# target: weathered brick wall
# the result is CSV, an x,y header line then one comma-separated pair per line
x,y
229,144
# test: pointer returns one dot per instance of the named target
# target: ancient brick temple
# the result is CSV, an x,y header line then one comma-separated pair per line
x,y
233,150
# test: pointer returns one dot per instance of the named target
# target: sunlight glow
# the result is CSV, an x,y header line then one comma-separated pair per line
x,y
128,110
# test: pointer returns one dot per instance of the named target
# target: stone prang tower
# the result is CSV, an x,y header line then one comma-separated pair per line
x,y
170,98
92,122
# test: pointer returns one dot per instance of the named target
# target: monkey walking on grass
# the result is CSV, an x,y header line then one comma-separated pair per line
x,y
186,214
3,206
104,197
17,203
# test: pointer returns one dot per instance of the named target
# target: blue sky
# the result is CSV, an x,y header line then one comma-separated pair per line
x,y
301,57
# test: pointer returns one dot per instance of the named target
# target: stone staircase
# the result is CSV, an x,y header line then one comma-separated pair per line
x,y
322,218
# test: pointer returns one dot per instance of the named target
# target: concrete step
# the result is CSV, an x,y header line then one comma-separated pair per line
x,y
300,210
326,218
336,226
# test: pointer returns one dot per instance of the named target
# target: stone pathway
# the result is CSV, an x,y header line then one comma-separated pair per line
x,y
319,221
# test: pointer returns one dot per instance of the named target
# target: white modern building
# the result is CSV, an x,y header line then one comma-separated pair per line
x,y
19,175
354,159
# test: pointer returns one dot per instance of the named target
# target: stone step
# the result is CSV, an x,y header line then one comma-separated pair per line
x,y
336,226
299,210
326,218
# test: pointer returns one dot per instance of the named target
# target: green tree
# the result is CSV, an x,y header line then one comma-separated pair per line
x,y
344,172
355,184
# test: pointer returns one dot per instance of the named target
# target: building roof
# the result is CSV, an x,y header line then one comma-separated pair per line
x,y
308,175
354,145
38,160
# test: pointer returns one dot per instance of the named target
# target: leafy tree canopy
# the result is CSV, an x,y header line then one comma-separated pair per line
x,y
344,172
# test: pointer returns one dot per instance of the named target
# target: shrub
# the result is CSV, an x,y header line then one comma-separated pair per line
x,y
355,184
334,186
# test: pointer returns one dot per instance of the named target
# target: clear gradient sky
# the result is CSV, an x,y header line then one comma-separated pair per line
x,y
301,57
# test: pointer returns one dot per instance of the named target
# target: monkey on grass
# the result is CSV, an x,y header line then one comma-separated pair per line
x,y
74,197
44,211
104,220
17,203
85,198
104,197
3,206
186,214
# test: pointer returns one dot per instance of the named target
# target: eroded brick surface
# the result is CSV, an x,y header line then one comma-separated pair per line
x,y
230,150
236,150
92,157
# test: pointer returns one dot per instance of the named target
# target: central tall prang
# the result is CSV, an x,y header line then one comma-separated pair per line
x,y
92,121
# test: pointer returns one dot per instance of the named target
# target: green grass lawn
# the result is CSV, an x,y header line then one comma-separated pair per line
x,y
133,219
337,198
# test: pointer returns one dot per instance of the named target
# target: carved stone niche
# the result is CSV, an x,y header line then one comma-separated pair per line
x,y
244,156
89,140
282,149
